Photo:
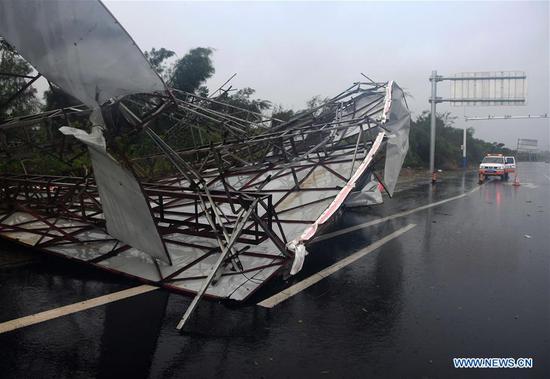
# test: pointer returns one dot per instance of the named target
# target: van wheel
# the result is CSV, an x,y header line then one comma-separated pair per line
x,y
506,176
502,177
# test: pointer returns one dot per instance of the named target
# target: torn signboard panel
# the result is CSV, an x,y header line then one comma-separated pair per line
x,y
237,202
299,190
79,46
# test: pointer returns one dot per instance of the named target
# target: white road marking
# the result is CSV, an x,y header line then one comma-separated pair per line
x,y
268,303
73,308
394,216
308,282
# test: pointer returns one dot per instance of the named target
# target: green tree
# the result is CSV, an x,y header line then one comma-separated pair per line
x,y
280,113
157,59
243,99
55,98
315,102
12,63
190,72
448,154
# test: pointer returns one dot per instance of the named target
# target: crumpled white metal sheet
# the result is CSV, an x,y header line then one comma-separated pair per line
x,y
92,57
79,46
94,243
398,121
307,194
369,195
127,213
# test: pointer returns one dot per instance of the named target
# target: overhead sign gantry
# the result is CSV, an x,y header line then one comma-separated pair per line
x,y
476,89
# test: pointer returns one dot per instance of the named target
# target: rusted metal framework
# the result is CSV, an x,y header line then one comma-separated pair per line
x,y
244,193
284,177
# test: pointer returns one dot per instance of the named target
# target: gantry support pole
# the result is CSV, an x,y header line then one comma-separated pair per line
x,y
433,101
464,159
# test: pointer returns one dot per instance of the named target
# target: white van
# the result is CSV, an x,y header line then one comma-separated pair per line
x,y
509,165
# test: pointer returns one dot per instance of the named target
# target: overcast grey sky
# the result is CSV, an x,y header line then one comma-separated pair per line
x,y
292,51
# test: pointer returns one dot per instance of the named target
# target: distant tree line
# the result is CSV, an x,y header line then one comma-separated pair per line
x,y
448,142
189,74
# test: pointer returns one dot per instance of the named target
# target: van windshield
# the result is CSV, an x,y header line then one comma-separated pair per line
x,y
493,160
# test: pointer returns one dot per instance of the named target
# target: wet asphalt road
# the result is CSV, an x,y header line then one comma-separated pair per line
x,y
465,282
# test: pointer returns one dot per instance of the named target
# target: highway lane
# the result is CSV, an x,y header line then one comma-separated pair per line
x,y
471,279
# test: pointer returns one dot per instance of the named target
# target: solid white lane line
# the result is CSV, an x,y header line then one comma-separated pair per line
x,y
308,282
73,308
384,219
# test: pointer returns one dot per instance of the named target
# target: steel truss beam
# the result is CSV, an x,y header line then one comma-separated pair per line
x,y
234,191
